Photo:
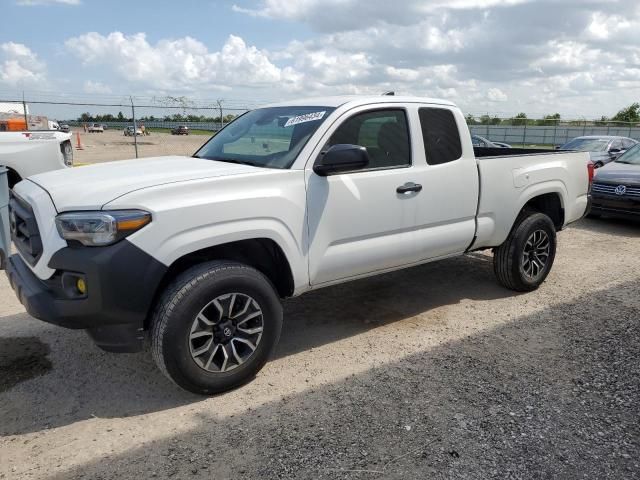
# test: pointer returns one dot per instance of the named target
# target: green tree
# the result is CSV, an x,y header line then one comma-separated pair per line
x,y
488,120
549,120
120,116
630,114
520,119
471,120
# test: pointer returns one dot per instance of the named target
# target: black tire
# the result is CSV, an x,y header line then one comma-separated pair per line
x,y
185,299
508,257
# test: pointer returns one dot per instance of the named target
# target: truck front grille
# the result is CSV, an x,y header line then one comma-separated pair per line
x,y
24,229
618,190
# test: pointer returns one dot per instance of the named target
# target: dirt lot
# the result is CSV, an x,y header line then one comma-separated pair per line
x,y
433,372
113,145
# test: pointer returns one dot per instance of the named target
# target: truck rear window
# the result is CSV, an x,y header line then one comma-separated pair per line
x,y
440,135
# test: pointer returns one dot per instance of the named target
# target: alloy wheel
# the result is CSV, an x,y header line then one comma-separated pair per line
x,y
226,332
536,254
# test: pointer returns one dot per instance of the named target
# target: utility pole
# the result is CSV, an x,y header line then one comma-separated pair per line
x,y
24,109
219,101
135,128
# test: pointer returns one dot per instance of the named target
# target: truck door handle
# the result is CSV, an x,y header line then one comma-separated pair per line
x,y
409,187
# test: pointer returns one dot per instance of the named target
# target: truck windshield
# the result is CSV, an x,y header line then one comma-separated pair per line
x,y
266,137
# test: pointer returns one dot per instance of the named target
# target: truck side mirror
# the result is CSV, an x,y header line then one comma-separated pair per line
x,y
341,158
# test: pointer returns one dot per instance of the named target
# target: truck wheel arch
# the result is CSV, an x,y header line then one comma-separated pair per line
x,y
550,204
13,177
263,254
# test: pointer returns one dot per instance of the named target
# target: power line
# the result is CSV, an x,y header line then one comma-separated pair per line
x,y
84,104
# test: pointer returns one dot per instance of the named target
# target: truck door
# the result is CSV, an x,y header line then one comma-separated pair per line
x,y
358,222
445,221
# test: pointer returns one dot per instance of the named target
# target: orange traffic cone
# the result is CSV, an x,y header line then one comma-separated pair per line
x,y
79,145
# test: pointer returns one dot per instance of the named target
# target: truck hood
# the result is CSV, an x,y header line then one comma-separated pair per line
x,y
91,187
620,173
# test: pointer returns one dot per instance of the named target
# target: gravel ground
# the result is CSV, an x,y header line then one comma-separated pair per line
x,y
432,372
113,145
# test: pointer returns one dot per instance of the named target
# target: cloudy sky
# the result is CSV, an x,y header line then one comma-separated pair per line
x,y
577,57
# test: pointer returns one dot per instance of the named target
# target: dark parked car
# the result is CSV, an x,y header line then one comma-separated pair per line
x,y
180,130
603,149
616,187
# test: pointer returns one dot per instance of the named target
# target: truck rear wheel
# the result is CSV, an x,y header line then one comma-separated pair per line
x,y
216,326
524,260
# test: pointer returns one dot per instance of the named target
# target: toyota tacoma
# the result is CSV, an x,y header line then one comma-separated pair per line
x,y
191,256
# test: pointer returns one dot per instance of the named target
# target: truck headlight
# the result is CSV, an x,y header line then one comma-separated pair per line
x,y
96,229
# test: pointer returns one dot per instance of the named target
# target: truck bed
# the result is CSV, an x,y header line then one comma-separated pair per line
x,y
508,177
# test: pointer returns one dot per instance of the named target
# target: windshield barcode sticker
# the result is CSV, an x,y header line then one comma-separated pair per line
x,y
308,117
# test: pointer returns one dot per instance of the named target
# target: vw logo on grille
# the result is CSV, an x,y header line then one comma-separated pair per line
x,y
620,190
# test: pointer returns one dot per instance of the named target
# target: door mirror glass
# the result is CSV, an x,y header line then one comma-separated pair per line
x,y
341,158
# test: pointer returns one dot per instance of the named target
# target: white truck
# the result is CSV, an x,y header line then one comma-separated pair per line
x,y
195,253
31,152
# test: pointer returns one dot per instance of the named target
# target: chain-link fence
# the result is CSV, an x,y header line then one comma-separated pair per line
x,y
116,128
553,135
140,127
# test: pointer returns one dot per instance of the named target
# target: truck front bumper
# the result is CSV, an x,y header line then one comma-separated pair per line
x,y
121,281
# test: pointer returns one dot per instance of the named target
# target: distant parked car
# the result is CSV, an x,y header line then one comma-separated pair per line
x,y
104,127
180,130
482,142
603,149
65,128
129,131
616,187
95,128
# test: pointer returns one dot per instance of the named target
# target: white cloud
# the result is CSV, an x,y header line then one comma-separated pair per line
x,y
339,15
33,3
497,95
20,66
181,64
480,53
96,87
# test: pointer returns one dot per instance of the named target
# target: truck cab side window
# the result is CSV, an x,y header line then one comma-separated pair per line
x,y
440,135
385,134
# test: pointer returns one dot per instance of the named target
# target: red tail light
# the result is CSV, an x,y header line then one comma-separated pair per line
x,y
591,172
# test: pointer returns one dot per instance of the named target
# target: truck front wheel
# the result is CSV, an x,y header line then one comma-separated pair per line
x,y
524,260
216,326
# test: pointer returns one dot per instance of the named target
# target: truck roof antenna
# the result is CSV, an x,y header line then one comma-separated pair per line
x,y
390,93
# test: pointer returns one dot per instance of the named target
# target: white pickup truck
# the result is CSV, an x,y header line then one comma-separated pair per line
x,y
31,152
195,253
